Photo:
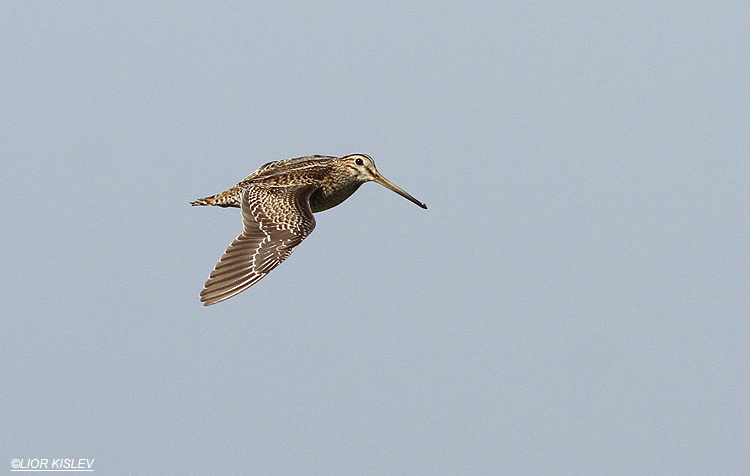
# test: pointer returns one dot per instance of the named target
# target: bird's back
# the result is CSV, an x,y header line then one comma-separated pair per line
x,y
300,170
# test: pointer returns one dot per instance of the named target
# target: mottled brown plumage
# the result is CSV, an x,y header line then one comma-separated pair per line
x,y
278,201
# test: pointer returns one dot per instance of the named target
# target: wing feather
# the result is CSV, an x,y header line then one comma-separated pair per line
x,y
275,220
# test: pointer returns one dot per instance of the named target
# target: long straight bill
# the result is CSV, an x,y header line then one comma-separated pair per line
x,y
391,186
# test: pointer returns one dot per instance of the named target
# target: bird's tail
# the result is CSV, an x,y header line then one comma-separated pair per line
x,y
229,198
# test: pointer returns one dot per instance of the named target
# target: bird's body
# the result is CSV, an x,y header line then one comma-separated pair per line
x,y
277,203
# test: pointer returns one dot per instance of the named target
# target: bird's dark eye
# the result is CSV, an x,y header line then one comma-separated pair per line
x,y
358,162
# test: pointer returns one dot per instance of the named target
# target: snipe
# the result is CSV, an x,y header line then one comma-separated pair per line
x,y
278,201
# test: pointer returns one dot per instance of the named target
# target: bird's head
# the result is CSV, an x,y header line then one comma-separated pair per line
x,y
362,167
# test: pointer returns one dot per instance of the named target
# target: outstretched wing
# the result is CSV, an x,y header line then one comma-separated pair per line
x,y
276,220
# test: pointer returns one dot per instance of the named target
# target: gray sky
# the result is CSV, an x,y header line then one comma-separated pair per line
x,y
573,302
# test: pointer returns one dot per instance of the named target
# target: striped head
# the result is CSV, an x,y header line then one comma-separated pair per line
x,y
362,168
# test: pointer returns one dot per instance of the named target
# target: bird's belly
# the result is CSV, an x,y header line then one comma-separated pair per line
x,y
320,200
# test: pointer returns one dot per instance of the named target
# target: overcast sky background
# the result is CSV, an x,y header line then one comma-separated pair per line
x,y
574,301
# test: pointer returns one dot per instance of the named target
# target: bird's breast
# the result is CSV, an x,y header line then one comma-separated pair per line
x,y
328,197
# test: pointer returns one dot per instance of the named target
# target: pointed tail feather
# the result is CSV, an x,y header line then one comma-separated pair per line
x,y
229,198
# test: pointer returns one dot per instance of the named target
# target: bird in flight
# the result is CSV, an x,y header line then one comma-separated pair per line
x,y
278,201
